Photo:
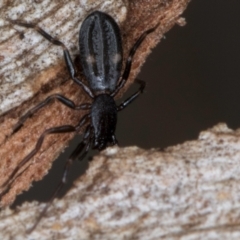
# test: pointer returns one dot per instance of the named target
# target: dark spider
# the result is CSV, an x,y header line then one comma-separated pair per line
x,y
101,60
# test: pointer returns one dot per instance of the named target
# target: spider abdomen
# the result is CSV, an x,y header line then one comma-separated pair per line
x,y
100,51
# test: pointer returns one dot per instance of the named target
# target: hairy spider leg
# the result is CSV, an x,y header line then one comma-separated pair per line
x,y
60,129
128,65
66,53
85,143
134,96
67,102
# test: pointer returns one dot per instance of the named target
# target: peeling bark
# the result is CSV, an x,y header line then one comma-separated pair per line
x,y
134,17
188,191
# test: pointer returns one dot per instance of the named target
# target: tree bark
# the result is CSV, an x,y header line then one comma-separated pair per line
x,y
31,69
188,191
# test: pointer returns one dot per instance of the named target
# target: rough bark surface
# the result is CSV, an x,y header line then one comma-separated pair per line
x,y
188,191
43,79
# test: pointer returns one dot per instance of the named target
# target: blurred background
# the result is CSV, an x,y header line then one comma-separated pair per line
x,y
193,83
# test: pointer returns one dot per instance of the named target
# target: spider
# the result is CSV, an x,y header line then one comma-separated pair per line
x,y
101,57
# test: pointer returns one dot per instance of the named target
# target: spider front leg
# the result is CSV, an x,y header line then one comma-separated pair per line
x,y
67,102
61,129
66,53
86,142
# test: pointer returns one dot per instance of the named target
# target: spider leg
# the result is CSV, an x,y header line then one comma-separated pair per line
x,y
129,59
67,102
66,53
134,96
86,142
114,140
62,129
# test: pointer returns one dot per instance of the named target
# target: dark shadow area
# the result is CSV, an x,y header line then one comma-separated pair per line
x,y
193,82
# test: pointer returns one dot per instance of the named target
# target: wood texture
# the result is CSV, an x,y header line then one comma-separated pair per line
x,y
45,80
189,191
